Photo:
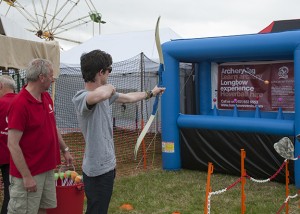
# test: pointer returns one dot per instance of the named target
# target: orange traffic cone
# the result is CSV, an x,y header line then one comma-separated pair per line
x,y
126,207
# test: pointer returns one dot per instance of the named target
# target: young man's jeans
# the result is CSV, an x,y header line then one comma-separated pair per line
x,y
98,191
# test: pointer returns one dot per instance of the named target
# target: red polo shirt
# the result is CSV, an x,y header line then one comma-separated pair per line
x,y
39,142
4,104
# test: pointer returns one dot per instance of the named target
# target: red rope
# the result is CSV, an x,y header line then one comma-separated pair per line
x,y
276,173
235,183
281,208
247,176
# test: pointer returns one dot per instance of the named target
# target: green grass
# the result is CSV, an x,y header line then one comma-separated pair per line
x,y
164,192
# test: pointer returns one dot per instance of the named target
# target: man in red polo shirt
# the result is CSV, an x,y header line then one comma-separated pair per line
x,y
7,87
34,143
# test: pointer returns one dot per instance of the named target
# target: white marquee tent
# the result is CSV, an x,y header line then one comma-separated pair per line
x,y
135,66
120,46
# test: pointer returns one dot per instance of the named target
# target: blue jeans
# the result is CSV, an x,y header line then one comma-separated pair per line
x,y
98,191
5,177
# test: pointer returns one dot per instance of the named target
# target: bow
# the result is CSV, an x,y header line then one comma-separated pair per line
x,y
155,105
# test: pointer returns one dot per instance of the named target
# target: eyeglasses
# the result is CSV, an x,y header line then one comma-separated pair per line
x,y
109,69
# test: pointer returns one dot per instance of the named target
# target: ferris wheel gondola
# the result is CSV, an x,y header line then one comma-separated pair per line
x,y
50,20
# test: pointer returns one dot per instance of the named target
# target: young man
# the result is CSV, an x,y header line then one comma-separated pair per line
x,y
7,88
93,113
34,143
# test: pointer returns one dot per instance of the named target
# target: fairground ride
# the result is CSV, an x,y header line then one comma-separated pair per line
x,y
51,20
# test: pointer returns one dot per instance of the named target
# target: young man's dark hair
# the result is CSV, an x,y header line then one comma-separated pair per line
x,y
93,62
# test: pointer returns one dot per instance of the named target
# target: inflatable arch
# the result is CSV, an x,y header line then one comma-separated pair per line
x,y
204,51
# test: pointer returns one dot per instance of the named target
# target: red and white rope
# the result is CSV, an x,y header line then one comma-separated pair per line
x,y
272,177
254,180
259,181
213,193
286,201
219,192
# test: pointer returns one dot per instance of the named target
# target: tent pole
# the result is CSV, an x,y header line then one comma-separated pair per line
x,y
142,127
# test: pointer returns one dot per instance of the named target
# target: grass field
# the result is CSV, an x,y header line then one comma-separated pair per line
x,y
162,192
156,191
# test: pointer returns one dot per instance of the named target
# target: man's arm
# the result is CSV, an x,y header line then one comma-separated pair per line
x,y
64,148
99,94
131,97
14,137
137,96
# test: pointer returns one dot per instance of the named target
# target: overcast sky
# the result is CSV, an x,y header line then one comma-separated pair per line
x,y
188,18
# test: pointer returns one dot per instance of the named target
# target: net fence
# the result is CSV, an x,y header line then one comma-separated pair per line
x,y
135,74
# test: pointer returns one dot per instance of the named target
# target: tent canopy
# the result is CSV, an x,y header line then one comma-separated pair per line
x,y
18,47
282,25
120,46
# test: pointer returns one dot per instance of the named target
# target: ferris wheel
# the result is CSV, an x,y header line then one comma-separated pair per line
x,y
49,20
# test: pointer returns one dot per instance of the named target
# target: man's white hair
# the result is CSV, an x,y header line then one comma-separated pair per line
x,y
7,81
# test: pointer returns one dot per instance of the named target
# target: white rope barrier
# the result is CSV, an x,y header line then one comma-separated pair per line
x,y
213,193
290,196
259,181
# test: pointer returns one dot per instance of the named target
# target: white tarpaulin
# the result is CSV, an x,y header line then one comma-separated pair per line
x,y
18,47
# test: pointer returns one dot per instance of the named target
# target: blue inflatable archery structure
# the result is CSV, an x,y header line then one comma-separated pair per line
x,y
202,52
